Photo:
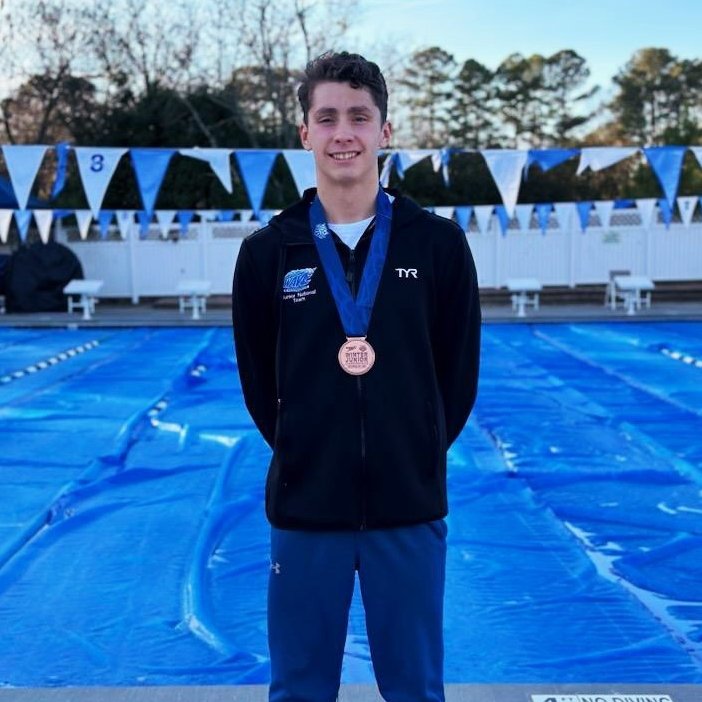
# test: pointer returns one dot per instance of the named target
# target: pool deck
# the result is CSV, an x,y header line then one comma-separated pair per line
x,y
364,693
152,314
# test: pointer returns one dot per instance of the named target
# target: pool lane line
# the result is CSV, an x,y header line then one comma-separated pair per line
x,y
681,356
49,362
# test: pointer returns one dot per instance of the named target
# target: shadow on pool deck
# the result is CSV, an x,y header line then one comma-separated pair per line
x,y
364,693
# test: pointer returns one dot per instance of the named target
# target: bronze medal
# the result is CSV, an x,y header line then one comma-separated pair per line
x,y
356,355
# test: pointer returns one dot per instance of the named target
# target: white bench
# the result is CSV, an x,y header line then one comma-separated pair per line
x,y
193,294
87,291
634,291
525,291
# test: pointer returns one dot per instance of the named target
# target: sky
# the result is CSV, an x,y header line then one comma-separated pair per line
x,y
605,32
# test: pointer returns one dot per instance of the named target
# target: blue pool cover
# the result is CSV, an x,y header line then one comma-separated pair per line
x,y
134,549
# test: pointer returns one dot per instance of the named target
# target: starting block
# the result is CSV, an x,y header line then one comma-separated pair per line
x,y
525,291
87,291
193,294
634,291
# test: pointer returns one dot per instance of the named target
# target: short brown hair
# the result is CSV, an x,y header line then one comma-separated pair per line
x,y
343,67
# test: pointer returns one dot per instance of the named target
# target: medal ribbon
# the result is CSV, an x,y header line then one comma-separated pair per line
x,y
355,314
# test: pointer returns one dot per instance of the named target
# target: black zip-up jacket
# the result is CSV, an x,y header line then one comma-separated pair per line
x,y
367,451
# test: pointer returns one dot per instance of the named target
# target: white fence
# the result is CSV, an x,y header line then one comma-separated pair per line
x,y
136,267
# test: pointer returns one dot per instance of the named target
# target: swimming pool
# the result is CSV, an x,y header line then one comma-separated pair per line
x,y
133,545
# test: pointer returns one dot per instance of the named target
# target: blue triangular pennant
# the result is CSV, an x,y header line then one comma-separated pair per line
x,y
546,159
96,166
150,166
584,214
104,221
666,162
23,219
302,168
23,164
184,218
62,151
503,218
462,214
666,212
543,214
255,168
225,215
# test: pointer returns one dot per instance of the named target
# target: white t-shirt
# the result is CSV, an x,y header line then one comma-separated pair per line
x,y
351,232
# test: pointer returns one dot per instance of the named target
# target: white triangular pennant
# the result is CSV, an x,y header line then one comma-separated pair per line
x,y
165,220
697,150
208,215
386,170
646,207
5,219
598,157
523,213
604,211
686,205
219,160
83,218
44,218
506,167
125,220
407,159
23,164
96,166
446,212
483,215
302,168
245,215
565,212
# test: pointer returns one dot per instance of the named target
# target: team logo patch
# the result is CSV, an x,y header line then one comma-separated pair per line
x,y
321,231
298,280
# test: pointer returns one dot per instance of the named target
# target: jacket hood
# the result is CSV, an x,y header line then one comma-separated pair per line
x,y
294,222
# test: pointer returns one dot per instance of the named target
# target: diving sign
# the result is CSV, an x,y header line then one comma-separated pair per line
x,y
603,698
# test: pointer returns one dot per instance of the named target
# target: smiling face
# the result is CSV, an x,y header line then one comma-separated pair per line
x,y
344,131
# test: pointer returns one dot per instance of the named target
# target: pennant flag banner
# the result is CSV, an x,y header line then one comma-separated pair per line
x,y
44,218
225,215
584,214
503,218
255,168
245,215
543,214
666,162
604,212
446,212
96,167
144,219
546,159
440,161
406,159
62,151
463,215
150,166
23,164
219,163
523,213
301,165
564,214
165,220
104,221
5,219
666,212
697,150
23,218
184,218
483,215
125,219
386,170
687,205
506,167
646,207
83,219
598,157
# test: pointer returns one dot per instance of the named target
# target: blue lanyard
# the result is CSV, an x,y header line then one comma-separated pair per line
x,y
355,314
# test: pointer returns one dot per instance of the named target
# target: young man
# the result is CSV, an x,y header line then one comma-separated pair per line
x,y
357,326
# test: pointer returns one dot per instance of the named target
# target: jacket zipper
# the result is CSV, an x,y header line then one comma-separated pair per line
x,y
351,279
